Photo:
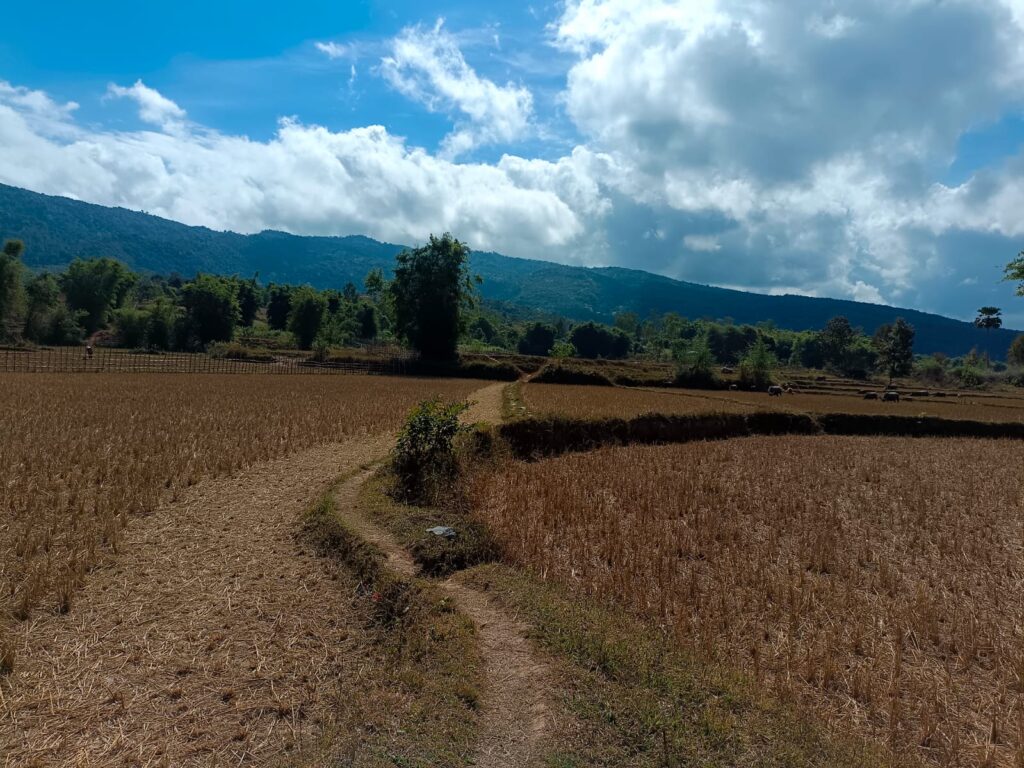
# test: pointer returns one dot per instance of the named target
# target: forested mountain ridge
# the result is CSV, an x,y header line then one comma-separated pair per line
x,y
56,230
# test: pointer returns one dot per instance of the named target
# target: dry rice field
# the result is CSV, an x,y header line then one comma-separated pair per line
x,y
876,580
81,455
619,402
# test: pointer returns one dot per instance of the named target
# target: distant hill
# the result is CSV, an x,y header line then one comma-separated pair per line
x,y
57,229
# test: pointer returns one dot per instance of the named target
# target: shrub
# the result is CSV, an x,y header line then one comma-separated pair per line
x,y
1016,354
464,369
569,374
424,459
229,350
932,370
756,367
563,349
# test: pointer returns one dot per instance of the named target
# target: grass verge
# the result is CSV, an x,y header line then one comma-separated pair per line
x,y
414,700
638,700
435,555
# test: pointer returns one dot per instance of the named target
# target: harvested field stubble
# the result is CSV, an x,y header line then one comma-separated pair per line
x,y
81,454
618,402
584,402
878,580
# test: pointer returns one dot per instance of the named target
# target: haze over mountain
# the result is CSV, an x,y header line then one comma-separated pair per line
x,y
57,230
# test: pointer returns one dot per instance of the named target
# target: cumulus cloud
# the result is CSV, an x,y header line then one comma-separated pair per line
x,y
154,107
814,137
306,179
427,66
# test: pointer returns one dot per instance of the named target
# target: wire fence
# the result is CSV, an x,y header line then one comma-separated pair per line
x,y
105,360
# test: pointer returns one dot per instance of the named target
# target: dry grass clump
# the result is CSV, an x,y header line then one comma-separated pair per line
x,y
81,454
877,579
583,402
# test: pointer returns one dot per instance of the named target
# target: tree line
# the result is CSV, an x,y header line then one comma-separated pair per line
x,y
430,304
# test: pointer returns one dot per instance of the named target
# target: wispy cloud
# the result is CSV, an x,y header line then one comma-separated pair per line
x,y
427,65
334,50
154,107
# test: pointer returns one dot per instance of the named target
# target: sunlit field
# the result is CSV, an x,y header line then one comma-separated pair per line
x,y
878,580
82,454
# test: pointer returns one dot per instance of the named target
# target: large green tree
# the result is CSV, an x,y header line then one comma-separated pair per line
x,y
894,343
431,290
12,290
211,308
837,339
96,287
307,315
989,318
279,306
538,340
248,300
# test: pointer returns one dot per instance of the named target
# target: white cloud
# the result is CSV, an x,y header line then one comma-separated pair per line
x,y
815,138
863,292
306,179
154,107
334,50
427,66
803,141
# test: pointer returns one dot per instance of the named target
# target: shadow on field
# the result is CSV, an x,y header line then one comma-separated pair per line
x,y
534,438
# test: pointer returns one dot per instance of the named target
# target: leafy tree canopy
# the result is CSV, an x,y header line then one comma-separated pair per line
x,y
96,287
989,318
307,315
894,344
431,290
211,308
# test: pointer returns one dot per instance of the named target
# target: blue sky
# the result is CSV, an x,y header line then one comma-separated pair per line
x,y
867,149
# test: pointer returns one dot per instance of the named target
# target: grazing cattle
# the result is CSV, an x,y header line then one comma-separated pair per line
x,y
891,397
734,387
775,391
870,395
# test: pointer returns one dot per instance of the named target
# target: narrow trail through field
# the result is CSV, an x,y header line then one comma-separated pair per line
x,y
515,704
486,405
214,638
211,638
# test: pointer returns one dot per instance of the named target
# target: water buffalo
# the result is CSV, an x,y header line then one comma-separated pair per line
x,y
891,397
775,391
734,387
870,395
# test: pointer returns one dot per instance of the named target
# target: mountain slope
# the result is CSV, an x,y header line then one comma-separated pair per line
x,y
56,230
